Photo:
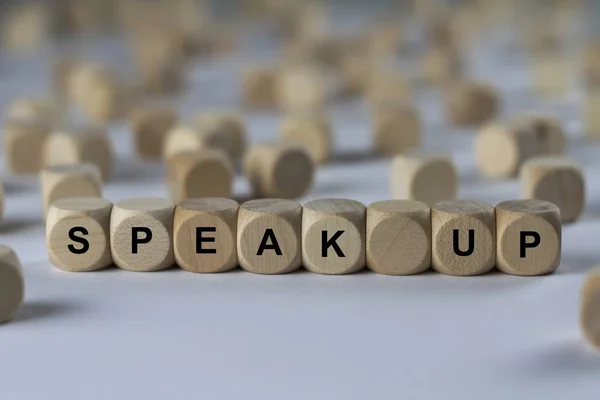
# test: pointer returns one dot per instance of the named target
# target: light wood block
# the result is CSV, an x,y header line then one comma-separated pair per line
x,y
65,181
141,234
464,237
591,65
425,177
77,234
88,144
333,236
279,170
313,131
558,180
24,141
230,126
589,308
528,239
150,126
398,237
500,150
591,114
270,236
25,108
204,173
396,128
441,66
551,73
25,26
548,131
302,89
472,103
386,86
12,284
354,75
260,88
184,139
205,234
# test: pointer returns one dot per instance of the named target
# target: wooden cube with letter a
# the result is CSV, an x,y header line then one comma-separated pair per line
x,y
528,237
205,233
463,235
333,236
141,234
269,236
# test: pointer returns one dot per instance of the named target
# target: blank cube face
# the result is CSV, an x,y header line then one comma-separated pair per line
x,y
259,89
229,126
12,285
141,234
269,238
398,237
548,131
589,312
150,128
463,240
65,181
77,234
472,103
550,75
302,89
528,237
423,177
385,87
24,144
333,236
557,180
396,129
205,234
313,132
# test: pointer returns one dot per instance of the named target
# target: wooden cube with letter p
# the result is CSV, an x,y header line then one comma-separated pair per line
x,y
333,236
141,234
528,238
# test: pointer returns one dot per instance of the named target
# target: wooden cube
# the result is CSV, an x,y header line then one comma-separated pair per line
x,y
204,173
558,180
591,65
471,103
205,234
88,144
464,237
384,86
333,236
591,114
396,128
25,26
12,284
269,236
313,131
441,65
302,89
398,237
28,109
549,132
551,73
77,234
279,170
528,238
141,234
229,126
65,181
184,139
589,309
150,126
24,141
425,177
260,88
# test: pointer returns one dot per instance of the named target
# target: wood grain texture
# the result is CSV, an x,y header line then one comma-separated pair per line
x,y
423,176
463,237
230,126
65,181
259,88
398,237
279,170
328,219
396,128
81,217
199,221
24,141
12,284
203,173
185,139
518,216
89,144
153,214
313,131
150,126
589,307
471,103
558,180
270,236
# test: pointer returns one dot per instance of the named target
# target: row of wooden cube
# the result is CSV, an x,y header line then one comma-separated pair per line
x,y
328,236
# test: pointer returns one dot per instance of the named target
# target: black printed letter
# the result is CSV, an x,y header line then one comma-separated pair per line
x,y
471,247
524,245
269,234
201,239
331,243
135,240
85,244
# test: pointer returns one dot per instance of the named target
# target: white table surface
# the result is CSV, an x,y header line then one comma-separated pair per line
x,y
174,334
